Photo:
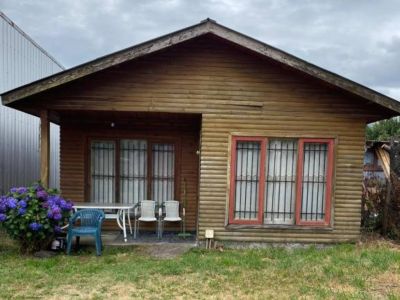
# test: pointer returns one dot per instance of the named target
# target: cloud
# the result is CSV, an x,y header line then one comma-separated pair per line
x,y
357,39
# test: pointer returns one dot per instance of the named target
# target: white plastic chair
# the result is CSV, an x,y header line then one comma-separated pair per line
x,y
147,214
171,213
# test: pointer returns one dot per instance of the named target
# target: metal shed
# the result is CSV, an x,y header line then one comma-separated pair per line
x,y
22,61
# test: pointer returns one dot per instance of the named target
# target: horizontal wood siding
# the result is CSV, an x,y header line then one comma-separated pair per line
x,y
236,92
74,153
72,163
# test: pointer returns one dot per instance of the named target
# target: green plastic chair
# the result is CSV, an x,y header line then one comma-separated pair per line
x,y
91,221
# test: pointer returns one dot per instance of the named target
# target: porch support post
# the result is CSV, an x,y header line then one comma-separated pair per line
x,y
44,148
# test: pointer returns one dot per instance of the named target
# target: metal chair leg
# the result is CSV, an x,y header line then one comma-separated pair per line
x,y
129,222
134,228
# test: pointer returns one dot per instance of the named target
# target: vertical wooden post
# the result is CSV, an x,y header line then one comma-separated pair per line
x,y
44,148
385,213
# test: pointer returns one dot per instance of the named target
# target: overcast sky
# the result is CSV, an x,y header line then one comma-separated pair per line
x,y
358,39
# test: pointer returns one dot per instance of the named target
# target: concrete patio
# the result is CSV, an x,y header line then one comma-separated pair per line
x,y
170,246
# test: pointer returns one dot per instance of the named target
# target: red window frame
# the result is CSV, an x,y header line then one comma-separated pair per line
x,y
329,176
261,185
299,179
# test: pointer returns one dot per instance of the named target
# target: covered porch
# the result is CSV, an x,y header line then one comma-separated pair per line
x,y
124,158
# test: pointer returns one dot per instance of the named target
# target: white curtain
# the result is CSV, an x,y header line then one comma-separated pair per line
x,y
247,179
133,171
103,172
163,172
280,185
314,181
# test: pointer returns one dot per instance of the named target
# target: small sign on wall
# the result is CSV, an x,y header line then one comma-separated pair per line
x,y
209,234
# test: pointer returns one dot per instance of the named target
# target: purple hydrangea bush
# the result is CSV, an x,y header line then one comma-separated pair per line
x,y
33,215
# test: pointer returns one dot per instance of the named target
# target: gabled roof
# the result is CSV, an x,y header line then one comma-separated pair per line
x,y
205,27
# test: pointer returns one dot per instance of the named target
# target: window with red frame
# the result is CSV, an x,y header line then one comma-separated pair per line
x,y
281,181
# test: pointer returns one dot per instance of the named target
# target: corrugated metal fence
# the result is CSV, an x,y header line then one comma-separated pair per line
x,y
22,61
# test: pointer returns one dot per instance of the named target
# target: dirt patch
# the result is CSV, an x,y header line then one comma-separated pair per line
x,y
385,284
377,241
337,287
164,251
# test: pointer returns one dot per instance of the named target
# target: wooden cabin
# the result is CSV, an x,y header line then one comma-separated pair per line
x,y
260,145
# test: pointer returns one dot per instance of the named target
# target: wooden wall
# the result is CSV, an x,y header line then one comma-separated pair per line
x,y
236,92
75,135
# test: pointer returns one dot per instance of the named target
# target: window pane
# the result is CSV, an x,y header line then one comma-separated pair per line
x,y
133,171
103,171
163,172
280,184
314,182
247,180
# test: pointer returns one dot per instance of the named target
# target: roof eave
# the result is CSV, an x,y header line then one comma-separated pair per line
x,y
204,27
105,62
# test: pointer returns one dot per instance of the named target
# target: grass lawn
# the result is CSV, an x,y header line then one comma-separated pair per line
x,y
368,270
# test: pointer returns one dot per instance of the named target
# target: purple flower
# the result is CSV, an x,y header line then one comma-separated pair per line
x,y
13,190
3,217
11,202
69,206
22,203
21,211
22,190
57,217
50,214
41,194
38,187
55,210
57,229
3,205
65,205
35,226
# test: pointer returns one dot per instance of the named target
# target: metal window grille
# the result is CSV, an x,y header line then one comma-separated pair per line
x,y
280,184
247,179
314,181
163,172
133,171
103,171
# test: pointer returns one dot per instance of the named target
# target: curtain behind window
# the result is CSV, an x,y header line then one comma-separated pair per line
x,y
281,182
103,172
314,181
163,172
133,171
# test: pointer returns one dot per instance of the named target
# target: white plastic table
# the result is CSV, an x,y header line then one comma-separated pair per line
x,y
123,212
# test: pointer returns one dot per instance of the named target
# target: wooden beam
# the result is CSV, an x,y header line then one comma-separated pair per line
x,y
44,147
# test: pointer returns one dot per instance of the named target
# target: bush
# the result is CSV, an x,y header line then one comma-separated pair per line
x,y
373,203
33,215
393,211
378,213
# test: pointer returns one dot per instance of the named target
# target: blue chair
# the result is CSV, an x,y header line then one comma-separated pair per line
x,y
91,221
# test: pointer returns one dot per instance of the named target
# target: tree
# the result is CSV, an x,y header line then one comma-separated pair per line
x,y
383,130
